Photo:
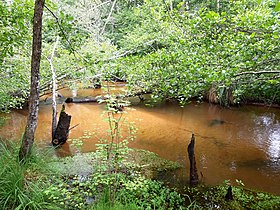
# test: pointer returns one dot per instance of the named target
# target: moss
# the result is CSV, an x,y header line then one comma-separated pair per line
x,y
80,164
149,163
146,162
3,120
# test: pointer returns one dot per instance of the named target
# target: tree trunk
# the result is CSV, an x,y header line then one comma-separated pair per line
x,y
54,87
62,130
193,170
33,108
229,195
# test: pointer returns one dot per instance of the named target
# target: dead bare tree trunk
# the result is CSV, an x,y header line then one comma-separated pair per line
x,y
33,108
193,170
54,88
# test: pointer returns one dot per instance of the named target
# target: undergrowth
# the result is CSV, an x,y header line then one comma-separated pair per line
x,y
22,186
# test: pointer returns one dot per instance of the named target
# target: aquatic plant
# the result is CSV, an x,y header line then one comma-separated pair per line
x,y
207,197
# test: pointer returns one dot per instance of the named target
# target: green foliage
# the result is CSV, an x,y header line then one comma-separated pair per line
x,y
15,22
3,120
176,49
15,39
20,185
112,150
214,197
148,194
111,190
182,54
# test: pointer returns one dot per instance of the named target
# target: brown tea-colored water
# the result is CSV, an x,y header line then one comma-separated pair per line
x,y
239,143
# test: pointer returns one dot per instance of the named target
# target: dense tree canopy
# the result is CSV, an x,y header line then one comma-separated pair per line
x,y
223,50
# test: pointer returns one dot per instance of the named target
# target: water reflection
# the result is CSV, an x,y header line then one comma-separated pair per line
x,y
267,133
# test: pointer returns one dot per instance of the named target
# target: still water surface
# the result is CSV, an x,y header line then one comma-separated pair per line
x,y
238,143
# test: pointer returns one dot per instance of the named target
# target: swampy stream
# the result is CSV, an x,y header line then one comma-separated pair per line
x,y
238,143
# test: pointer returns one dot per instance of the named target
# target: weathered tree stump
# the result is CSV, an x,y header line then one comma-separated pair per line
x,y
62,129
193,170
229,195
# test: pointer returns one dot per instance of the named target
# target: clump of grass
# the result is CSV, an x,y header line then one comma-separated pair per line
x,y
21,186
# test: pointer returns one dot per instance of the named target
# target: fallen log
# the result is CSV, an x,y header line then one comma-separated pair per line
x,y
84,100
193,170
102,98
62,129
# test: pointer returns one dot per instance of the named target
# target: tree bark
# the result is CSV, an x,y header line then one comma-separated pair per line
x,y
193,170
33,108
62,130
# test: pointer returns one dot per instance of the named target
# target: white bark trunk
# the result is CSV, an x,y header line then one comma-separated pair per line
x,y
54,87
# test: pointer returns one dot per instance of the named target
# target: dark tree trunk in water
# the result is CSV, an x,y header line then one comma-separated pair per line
x,y
193,170
62,130
229,195
32,120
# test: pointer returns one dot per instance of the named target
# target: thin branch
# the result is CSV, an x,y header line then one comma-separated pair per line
x,y
131,51
95,7
173,21
109,16
61,29
257,72
251,31
73,126
65,37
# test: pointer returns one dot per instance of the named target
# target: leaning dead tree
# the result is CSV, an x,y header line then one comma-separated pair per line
x,y
193,170
54,87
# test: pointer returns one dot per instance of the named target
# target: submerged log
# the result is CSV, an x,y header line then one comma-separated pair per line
x,y
83,100
193,170
62,129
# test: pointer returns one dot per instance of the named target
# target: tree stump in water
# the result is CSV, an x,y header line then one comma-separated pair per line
x,y
193,170
229,195
62,129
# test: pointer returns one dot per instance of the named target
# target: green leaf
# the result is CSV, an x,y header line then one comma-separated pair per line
x,y
277,7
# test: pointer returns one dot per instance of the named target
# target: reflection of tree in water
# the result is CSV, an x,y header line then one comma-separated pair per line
x,y
267,135
274,146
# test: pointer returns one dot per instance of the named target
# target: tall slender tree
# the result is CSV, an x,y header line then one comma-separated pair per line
x,y
32,120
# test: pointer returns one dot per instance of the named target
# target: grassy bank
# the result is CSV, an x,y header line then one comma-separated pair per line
x,y
46,182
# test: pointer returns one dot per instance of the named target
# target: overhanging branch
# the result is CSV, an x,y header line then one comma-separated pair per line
x,y
257,72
